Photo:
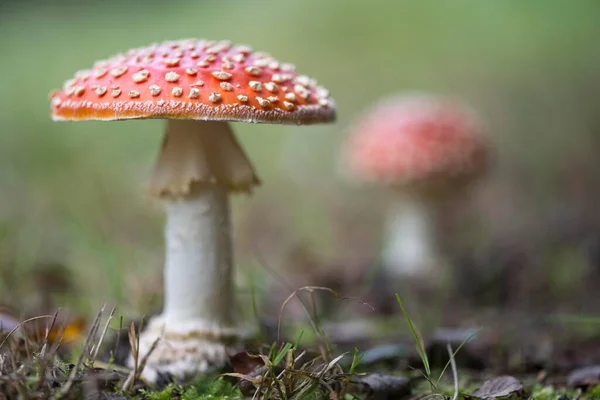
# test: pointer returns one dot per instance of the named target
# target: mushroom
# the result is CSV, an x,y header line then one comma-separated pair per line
x,y
198,86
427,150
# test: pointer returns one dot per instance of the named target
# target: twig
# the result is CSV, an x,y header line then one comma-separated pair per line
x,y
96,347
48,330
45,360
118,341
146,357
138,368
90,344
131,335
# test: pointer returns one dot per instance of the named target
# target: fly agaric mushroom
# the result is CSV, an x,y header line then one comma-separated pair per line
x,y
198,87
427,150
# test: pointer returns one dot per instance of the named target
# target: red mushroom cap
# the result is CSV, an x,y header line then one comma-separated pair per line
x,y
193,79
416,140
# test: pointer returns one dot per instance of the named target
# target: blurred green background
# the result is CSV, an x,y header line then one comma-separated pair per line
x,y
73,194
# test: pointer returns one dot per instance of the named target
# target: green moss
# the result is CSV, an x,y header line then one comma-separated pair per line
x,y
201,389
593,392
539,392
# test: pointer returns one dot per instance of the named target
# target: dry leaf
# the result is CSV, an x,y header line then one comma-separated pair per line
x,y
245,363
586,376
383,387
501,386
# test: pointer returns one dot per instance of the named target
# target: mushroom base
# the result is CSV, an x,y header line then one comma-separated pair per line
x,y
200,163
185,350
197,322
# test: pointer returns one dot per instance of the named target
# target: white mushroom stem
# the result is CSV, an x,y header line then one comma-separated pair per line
x,y
198,267
410,241
200,163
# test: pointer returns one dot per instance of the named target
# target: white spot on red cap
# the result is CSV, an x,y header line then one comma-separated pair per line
x,y
262,62
274,65
242,48
154,90
302,91
172,62
118,71
280,78
194,93
288,67
226,86
252,70
141,76
263,102
255,85
302,80
271,87
177,91
221,75
171,76
100,72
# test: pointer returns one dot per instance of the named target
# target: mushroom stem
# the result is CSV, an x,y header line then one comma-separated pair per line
x,y
410,242
198,267
200,163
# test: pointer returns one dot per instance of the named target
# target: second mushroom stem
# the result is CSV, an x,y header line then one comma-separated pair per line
x,y
409,247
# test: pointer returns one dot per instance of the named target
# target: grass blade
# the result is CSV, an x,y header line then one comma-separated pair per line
x,y
467,339
418,341
280,356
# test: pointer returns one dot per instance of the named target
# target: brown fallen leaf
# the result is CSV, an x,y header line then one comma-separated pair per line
x,y
583,377
248,368
244,363
383,387
501,386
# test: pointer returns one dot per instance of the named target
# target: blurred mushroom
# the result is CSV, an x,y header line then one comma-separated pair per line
x,y
197,86
425,149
